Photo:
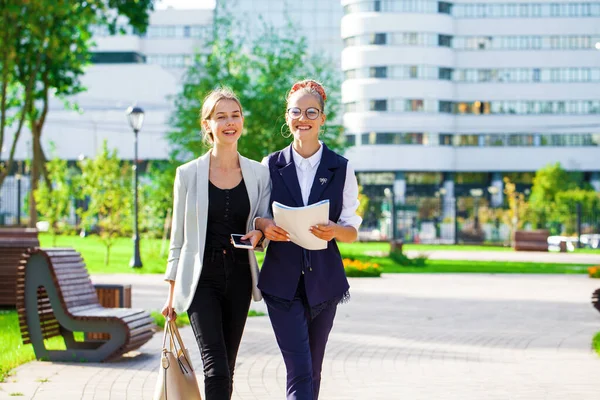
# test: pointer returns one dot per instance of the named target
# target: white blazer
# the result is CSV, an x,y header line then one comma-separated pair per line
x,y
190,214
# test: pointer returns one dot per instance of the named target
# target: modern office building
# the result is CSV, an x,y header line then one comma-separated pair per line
x,y
449,96
317,20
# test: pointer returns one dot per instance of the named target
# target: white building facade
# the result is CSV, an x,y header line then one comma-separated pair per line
x,y
457,95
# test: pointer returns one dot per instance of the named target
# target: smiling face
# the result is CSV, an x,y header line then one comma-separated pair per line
x,y
226,122
303,128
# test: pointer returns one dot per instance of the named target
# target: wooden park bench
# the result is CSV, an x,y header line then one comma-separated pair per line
x,y
531,240
13,243
55,296
596,299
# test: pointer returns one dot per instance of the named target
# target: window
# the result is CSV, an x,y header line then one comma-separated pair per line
x,y
378,105
379,39
378,72
386,138
446,139
444,7
413,72
445,41
414,104
377,5
445,74
445,106
350,107
350,140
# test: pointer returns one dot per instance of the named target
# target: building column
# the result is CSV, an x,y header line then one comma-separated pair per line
x,y
448,195
497,198
400,188
595,181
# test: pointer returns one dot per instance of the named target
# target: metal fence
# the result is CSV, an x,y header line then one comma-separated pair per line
x,y
13,198
464,220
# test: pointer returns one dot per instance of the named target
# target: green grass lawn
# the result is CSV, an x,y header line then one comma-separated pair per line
x,y
93,251
596,343
93,254
12,351
490,267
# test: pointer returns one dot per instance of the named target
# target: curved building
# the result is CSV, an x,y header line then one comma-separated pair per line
x,y
457,95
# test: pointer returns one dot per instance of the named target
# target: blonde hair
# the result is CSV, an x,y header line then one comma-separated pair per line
x,y
312,87
210,103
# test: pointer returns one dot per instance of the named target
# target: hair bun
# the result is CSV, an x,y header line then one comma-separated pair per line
x,y
311,85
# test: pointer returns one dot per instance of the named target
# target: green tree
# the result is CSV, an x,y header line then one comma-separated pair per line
x,y
518,208
156,197
54,203
106,183
547,184
566,205
260,71
44,48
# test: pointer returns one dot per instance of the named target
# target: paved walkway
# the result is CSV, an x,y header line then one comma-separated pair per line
x,y
524,256
401,337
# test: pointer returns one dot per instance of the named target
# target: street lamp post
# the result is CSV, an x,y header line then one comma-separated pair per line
x,y
476,193
136,119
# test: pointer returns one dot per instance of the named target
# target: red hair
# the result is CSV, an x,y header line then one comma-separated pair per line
x,y
310,85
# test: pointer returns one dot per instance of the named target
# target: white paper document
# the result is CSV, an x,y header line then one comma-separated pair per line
x,y
297,220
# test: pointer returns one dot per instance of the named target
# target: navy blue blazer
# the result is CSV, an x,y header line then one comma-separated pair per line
x,y
285,262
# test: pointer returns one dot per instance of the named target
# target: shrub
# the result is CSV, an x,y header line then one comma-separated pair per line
x,y
400,258
594,272
357,269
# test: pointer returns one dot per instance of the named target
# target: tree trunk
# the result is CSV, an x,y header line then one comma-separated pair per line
x,y
35,173
107,256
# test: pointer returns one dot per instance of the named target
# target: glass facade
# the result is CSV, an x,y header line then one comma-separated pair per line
x,y
475,43
476,140
478,75
509,107
479,10
527,10
528,75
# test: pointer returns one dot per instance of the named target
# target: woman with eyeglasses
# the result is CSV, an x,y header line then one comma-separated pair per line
x,y
302,288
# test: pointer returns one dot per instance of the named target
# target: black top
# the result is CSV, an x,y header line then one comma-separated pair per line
x,y
228,211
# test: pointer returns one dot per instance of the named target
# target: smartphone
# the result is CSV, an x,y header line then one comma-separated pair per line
x,y
239,243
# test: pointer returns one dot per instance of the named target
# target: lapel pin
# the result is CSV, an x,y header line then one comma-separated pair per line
x,y
323,180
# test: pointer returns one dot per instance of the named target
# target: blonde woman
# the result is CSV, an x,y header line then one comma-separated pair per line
x,y
216,195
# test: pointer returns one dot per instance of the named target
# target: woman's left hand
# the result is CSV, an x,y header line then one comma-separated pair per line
x,y
325,232
254,236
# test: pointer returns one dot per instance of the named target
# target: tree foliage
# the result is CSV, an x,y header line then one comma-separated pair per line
x,y
554,194
106,184
261,71
44,48
54,203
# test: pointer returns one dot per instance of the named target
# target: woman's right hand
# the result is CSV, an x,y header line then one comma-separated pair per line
x,y
168,310
273,232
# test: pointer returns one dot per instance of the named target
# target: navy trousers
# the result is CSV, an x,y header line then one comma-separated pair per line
x,y
302,341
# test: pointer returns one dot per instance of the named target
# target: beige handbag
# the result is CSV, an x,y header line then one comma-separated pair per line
x,y
176,378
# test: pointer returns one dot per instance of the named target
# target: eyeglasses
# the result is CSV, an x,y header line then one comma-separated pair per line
x,y
310,113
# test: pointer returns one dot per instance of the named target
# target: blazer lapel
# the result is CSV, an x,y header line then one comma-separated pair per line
x,y
325,170
203,167
287,170
251,183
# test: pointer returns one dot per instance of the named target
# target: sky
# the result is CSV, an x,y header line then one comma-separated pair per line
x,y
185,4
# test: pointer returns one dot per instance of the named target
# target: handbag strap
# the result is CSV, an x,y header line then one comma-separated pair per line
x,y
177,336
168,333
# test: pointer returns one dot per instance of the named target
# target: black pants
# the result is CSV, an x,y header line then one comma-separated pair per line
x,y
218,314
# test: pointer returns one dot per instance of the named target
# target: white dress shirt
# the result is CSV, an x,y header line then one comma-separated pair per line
x,y
306,169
